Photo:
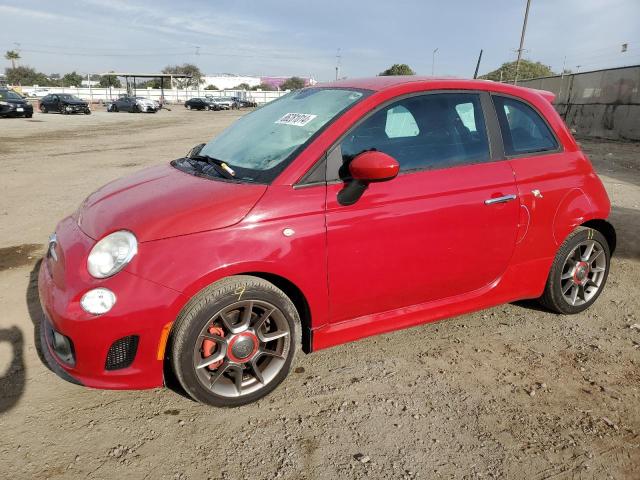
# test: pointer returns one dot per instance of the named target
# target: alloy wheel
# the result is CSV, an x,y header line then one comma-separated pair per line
x,y
242,348
583,272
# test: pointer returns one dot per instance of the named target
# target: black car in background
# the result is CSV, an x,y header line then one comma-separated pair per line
x,y
14,105
198,103
64,103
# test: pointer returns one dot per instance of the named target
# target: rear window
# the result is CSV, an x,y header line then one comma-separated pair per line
x,y
523,129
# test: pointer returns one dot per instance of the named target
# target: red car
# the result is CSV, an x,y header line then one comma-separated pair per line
x,y
334,213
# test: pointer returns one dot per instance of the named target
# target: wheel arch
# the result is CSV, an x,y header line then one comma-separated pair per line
x,y
290,289
606,229
299,300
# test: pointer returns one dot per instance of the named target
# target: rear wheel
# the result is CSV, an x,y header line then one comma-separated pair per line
x,y
43,109
235,341
578,273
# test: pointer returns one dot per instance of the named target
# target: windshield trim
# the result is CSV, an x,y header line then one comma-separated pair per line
x,y
268,176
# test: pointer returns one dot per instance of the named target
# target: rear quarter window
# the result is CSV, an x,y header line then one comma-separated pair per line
x,y
523,129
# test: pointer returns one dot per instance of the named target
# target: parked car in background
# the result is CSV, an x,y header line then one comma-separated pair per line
x,y
39,92
64,103
244,103
199,103
127,103
224,103
333,213
13,104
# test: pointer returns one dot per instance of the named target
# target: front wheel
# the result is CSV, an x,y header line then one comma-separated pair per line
x,y
578,273
235,341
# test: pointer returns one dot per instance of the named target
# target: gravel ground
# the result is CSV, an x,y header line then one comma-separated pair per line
x,y
510,392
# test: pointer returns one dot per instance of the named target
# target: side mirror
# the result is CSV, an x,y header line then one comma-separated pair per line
x,y
366,168
195,151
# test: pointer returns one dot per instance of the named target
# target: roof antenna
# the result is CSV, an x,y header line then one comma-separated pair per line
x,y
475,75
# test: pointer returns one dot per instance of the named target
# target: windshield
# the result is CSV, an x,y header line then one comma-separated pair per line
x,y
9,95
260,143
69,97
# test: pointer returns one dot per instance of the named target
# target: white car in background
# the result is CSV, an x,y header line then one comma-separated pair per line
x,y
223,103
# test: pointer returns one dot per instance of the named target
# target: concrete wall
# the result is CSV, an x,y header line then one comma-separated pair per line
x,y
603,103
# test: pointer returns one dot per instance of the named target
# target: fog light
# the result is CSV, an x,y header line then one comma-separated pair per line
x,y
98,301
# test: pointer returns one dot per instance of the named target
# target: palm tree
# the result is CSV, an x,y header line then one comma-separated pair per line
x,y
13,56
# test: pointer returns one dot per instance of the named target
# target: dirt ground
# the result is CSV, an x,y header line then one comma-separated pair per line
x,y
510,392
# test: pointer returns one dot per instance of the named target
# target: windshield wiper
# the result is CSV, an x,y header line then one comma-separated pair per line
x,y
221,167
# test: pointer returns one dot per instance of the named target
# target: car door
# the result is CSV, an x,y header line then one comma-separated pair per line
x,y
543,173
55,103
445,227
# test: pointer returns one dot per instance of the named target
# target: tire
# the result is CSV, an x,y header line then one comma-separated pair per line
x,y
87,112
258,373
29,115
43,109
579,272
188,107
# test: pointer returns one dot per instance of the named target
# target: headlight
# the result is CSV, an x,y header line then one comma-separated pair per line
x,y
4,103
111,254
98,301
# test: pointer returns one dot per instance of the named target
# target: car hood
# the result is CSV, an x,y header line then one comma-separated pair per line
x,y
161,202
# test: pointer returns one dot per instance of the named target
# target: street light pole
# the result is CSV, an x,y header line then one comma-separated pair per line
x,y
433,61
524,29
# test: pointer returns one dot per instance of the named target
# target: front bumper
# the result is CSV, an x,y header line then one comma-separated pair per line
x,y
16,110
142,309
75,108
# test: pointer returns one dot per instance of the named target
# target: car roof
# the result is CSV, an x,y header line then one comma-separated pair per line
x,y
388,82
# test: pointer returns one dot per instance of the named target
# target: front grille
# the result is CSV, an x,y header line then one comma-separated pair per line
x,y
122,353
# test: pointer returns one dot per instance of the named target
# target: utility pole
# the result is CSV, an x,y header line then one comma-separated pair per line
x,y
338,64
475,75
433,61
524,29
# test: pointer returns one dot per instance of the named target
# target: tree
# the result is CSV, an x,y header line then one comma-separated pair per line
x,y
12,55
185,69
398,69
107,81
25,76
266,87
293,83
242,86
211,87
528,69
72,79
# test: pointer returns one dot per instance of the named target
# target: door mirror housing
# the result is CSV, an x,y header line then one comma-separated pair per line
x,y
367,167
373,166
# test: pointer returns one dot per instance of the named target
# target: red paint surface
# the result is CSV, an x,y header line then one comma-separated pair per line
x,y
415,249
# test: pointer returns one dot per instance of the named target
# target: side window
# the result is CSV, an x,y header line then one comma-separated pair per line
x,y
523,130
429,131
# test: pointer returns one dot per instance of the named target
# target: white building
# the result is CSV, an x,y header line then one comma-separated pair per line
x,y
227,81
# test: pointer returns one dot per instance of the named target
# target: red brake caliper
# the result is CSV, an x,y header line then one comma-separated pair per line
x,y
209,347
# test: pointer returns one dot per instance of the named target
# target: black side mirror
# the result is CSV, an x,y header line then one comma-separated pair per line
x,y
195,151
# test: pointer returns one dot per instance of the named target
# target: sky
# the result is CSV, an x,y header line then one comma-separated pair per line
x,y
304,37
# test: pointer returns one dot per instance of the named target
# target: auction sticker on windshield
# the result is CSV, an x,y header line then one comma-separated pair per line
x,y
296,119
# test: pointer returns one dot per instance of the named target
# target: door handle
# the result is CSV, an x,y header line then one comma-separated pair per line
x,y
503,199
